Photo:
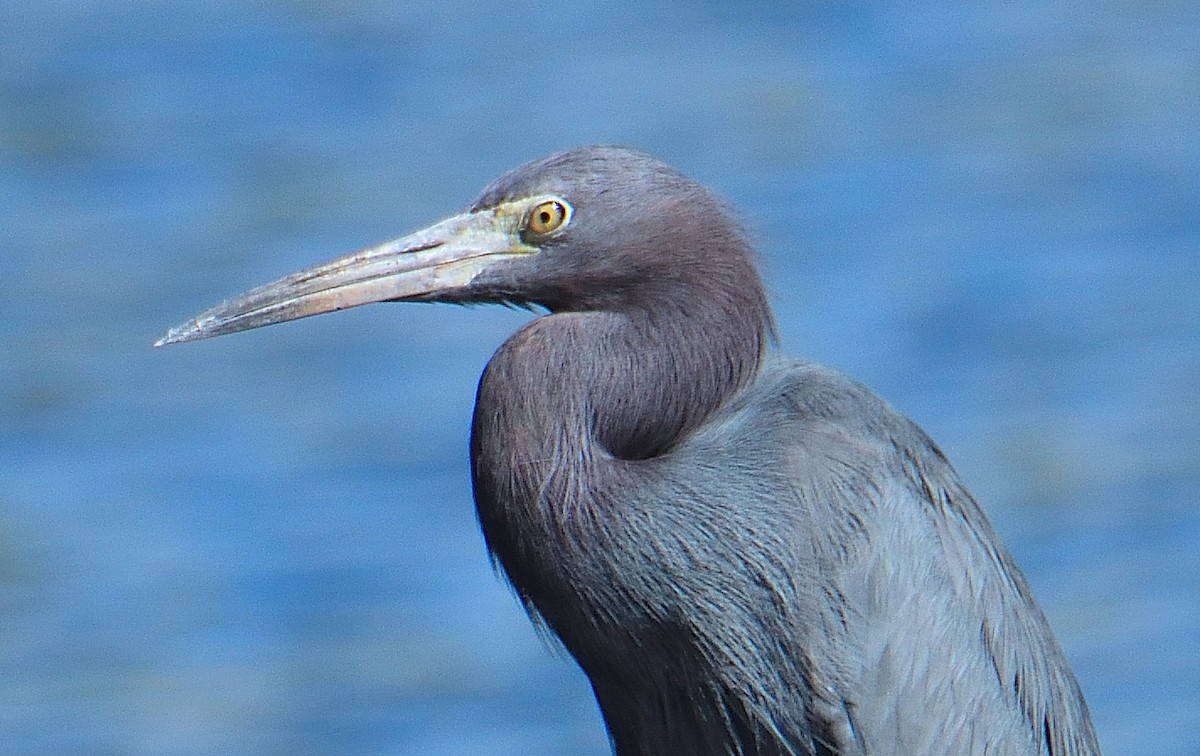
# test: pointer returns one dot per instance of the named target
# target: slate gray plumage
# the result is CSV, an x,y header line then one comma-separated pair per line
x,y
746,554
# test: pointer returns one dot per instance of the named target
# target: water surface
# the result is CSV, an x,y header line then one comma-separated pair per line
x,y
266,544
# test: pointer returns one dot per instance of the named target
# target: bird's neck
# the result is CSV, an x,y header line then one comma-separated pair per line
x,y
628,384
567,402
567,410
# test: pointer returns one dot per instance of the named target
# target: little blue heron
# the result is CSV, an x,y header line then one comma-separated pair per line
x,y
746,554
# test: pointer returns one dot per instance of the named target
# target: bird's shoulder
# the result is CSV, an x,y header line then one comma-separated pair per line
x,y
933,614
796,403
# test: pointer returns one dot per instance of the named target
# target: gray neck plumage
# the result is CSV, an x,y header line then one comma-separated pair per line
x,y
634,381
566,406
566,401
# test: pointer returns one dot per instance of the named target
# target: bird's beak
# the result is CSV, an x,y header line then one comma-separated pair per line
x,y
433,263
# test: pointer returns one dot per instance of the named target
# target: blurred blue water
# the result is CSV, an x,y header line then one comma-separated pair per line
x,y
266,543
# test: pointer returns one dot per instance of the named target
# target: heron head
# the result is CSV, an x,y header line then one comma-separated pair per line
x,y
591,228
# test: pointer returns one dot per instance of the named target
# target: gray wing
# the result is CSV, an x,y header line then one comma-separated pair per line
x,y
916,633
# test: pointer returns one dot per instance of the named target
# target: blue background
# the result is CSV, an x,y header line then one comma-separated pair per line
x,y
989,212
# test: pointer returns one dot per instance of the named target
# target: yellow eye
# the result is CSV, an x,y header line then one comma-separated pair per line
x,y
547,217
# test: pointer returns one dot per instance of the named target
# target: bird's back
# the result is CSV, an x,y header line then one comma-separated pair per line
x,y
838,588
